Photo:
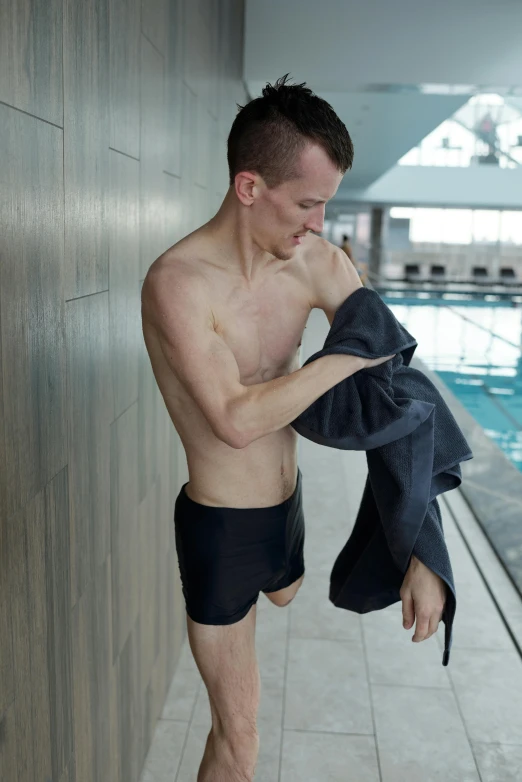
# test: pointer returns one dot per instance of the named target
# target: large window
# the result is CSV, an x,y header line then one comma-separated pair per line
x,y
461,226
487,130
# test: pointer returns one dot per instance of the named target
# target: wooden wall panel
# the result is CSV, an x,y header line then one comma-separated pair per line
x,y
124,82
92,655
32,307
174,228
31,57
126,338
90,411
92,615
154,16
86,145
59,636
174,65
152,155
125,560
8,739
148,404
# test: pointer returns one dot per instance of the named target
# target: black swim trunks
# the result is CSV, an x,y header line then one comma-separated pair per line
x,y
228,555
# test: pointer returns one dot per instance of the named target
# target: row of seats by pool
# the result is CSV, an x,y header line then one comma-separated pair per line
x,y
479,275
427,292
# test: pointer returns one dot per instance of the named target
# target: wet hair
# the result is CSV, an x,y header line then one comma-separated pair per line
x,y
269,133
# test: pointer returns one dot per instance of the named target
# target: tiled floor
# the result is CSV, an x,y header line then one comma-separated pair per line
x,y
349,698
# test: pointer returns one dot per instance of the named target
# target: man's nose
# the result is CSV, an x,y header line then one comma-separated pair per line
x,y
315,221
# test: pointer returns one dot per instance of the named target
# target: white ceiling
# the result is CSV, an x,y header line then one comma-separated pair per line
x,y
367,58
384,127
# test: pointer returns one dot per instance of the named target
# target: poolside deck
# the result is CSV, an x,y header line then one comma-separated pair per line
x,y
349,698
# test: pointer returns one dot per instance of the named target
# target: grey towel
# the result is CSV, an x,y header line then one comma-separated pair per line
x,y
413,449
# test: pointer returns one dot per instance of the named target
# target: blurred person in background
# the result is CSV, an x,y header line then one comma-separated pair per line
x,y
361,267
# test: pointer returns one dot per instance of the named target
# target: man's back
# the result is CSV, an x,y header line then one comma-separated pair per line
x,y
261,323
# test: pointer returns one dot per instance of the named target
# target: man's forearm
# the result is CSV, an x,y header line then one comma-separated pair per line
x,y
267,407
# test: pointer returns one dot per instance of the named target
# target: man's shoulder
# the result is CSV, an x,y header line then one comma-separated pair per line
x,y
333,276
320,256
320,249
177,275
181,262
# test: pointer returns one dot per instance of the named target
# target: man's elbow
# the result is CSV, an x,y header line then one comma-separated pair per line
x,y
227,429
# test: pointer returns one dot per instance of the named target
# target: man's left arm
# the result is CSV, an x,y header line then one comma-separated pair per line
x,y
334,279
422,592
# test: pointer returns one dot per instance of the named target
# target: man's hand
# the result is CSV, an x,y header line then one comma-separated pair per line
x,y
423,595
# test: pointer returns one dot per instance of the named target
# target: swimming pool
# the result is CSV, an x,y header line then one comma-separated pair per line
x,y
476,348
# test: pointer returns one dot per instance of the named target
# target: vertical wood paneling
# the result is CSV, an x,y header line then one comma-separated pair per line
x,y
31,57
32,306
124,526
124,55
126,338
90,412
130,707
189,133
92,655
174,64
86,145
8,737
147,617
26,543
7,688
92,615
154,17
148,404
173,210
59,637
152,156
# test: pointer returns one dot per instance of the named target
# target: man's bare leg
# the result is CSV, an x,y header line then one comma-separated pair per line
x,y
226,658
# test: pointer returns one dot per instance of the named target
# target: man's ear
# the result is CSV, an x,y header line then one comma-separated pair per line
x,y
246,184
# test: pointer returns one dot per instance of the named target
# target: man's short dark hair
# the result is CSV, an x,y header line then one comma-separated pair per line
x,y
270,132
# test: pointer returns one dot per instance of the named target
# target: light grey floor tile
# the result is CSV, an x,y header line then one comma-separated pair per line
x,y
271,640
313,615
186,658
164,756
326,687
202,717
192,755
267,769
477,622
320,554
499,762
464,569
182,695
489,689
328,757
394,659
420,736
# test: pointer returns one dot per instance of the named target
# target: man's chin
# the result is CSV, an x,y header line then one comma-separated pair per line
x,y
285,253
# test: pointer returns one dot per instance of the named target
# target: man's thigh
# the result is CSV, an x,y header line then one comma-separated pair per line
x,y
226,658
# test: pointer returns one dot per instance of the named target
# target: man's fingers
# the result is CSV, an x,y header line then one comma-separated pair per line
x,y
434,623
421,627
408,613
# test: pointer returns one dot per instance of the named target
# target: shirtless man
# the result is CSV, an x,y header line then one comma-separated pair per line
x,y
224,312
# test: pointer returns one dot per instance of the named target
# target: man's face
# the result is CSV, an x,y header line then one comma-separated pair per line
x,y
295,207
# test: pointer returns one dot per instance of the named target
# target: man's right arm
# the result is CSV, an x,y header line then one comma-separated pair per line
x,y
178,308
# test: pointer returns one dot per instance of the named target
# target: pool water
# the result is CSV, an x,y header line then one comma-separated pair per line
x,y
476,348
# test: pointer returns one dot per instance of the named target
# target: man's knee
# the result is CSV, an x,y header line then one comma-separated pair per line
x,y
279,601
285,596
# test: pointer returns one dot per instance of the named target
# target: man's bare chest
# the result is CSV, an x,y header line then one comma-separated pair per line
x,y
263,328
